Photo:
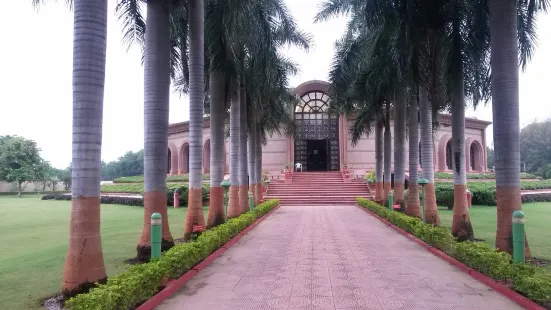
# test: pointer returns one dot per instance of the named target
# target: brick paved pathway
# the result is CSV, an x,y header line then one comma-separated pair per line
x,y
331,257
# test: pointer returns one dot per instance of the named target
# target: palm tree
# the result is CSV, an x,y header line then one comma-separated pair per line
x,y
194,214
217,90
84,263
387,154
399,149
251,151
243,167
413,207
156,94
379,151
235,124
510,28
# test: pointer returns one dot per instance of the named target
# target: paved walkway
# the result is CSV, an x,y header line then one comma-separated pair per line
x,y
331,257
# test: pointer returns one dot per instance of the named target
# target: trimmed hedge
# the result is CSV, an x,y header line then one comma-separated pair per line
x,y
480,176
527,279
137,201
484,193
138,283
170,178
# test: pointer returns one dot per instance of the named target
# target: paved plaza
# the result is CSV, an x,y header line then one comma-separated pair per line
x,y
331,257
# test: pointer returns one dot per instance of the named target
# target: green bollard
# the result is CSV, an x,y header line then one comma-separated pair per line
x,y
251,201
390,200
156,231
518,237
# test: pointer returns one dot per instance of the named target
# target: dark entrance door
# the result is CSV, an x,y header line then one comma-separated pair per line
x,y
317,155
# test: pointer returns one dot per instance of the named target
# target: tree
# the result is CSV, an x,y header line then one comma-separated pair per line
x,y
509,43
130,164
490,157
20,161
84,265
535,147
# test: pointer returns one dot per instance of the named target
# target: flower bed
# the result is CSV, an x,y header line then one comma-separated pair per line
x,y
527,279
140,282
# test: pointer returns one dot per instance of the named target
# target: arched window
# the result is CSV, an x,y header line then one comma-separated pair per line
x,y
169,166
475,156
184,159
206,157
449,155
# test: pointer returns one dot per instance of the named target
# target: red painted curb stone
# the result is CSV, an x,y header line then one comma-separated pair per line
x,y
498,287
174,285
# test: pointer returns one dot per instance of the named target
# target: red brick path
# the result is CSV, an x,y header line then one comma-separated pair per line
x,y
331,257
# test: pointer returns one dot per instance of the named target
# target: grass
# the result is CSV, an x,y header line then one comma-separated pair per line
x,y
448,175
35,236
136,188
537,215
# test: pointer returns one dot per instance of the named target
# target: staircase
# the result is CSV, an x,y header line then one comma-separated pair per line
x,y
318,188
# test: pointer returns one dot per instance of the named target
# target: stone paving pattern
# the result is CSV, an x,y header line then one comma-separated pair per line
x,y
331,257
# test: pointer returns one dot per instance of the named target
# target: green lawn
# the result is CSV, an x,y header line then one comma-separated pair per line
x,y
537,215
34,244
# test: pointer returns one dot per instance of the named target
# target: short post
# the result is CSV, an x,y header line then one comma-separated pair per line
x,y
156,229
469,198
390,200
226,185
518,237
176,199
422,182
251,201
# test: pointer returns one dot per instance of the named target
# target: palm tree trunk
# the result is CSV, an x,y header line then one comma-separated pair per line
x,y
427,159
399,150
461,223
217,153
156,105
251,156
233,200
387,158
379,162
258,169
505,92
196,100
243,167
84,263
414,206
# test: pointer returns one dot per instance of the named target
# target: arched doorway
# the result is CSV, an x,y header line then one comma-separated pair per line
x,y
169,162
317,139
449,155
206,157
183,163
475,156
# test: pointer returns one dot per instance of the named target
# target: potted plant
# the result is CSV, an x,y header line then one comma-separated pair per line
x,y
370,179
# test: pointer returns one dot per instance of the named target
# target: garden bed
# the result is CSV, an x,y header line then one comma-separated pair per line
x,y
169,178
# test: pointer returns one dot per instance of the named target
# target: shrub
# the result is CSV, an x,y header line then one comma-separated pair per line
x,y
527,279
140,282
484,193
170,178
479,176
129,201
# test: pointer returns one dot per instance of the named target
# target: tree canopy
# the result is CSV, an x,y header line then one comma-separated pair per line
x,y
535,148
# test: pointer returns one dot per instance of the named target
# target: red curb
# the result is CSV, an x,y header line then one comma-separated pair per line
x,y
174,285
498,287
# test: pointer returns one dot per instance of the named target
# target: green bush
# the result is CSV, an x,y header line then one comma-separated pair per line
x,y
140,282
479,176
527,279
484,193
138,188
170,178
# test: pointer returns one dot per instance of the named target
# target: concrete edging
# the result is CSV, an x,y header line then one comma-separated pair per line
x,y
174,285
498,287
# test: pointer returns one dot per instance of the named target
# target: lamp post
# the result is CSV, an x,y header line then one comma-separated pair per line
x,y
423,182
226,185
156,235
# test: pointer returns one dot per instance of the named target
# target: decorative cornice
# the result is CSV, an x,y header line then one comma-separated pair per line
x,y
184,126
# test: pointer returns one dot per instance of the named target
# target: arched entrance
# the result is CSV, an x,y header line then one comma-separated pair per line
x,y
184,159
206,157
449,157
169,162
317,139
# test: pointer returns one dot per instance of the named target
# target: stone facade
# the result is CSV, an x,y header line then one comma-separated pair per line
x,y
280,150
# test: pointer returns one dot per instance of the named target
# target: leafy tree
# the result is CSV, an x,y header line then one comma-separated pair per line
x,y
535,147
129,164
20,161
490,157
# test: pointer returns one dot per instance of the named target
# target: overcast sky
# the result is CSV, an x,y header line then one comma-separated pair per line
x,y
36,63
